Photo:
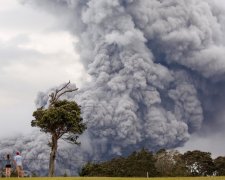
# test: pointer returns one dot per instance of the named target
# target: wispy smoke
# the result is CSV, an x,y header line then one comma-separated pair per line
x,y
157,70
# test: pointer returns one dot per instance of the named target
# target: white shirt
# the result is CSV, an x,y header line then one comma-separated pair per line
x,y
18,160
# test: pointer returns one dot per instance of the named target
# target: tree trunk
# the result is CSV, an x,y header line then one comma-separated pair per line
x,y
51,171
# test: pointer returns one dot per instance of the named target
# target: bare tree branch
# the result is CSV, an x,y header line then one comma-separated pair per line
x,y
67,84
59,92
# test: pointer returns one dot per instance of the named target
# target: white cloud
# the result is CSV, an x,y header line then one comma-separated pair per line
x,y
51,42
6,5
34,56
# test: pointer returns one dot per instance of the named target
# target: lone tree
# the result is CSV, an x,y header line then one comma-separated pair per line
x,y
61,119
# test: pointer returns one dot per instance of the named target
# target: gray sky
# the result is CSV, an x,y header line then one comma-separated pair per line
x,y
35,54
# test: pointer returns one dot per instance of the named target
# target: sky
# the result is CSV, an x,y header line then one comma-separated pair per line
x,y
35,54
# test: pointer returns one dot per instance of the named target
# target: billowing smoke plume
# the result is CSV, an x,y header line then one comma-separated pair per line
x,y
157,68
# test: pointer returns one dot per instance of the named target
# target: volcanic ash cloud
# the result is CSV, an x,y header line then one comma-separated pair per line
x,y
157,67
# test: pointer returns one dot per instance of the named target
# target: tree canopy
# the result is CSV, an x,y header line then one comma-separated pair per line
x,y
63,118
161,163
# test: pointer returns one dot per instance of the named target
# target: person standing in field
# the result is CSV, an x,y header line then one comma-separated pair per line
x,y
18,163
8,166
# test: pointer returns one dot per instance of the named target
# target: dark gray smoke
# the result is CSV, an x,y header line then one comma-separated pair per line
x,y
157,68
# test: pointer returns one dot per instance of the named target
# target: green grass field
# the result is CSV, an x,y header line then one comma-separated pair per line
x,y
110,178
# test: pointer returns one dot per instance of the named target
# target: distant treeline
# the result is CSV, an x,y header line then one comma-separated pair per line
x,y
160,164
